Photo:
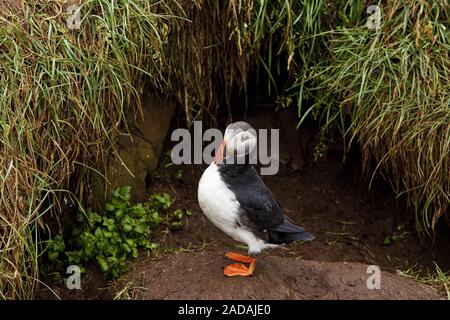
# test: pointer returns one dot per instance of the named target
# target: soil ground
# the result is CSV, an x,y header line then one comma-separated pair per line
x,y
354,228
197,276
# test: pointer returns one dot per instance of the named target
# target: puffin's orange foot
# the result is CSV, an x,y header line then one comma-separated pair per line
x,y
238,269
239,257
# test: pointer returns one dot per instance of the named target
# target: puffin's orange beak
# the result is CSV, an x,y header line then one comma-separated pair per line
x,y
219,154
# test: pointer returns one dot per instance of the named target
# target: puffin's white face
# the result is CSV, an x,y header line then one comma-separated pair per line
x,y
239,140
241,143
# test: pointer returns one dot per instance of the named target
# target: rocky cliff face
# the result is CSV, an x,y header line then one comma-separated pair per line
x,y
137,153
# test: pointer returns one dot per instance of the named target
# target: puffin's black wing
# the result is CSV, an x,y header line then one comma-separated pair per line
x,y
259,207
256,201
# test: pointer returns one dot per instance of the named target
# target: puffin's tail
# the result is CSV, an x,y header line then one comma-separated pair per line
x,y
289,232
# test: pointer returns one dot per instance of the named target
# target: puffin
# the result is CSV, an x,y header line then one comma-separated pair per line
x,y
235,199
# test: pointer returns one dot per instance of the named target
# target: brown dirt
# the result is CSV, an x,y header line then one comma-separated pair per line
x,y
349,222
198,276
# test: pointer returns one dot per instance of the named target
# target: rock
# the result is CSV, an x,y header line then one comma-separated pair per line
x,y
139,151
153,124
136,159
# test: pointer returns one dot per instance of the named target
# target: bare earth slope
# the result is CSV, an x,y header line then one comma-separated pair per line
x,y
199,276
351,227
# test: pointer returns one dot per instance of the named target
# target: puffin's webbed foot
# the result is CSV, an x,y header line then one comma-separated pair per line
x,y
238,269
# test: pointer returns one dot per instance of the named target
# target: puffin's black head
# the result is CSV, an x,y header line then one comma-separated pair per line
x,y
239,140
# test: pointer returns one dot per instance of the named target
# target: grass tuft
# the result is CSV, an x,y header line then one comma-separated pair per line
x,y
64,95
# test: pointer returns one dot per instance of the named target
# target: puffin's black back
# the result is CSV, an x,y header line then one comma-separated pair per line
x,y
254,197
259,209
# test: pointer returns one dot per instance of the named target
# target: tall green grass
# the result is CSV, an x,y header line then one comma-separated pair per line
x,y
388,89
64,94
208,55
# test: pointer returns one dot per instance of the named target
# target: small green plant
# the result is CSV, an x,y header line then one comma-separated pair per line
x,y
175,221
116,233
179,174
55,247
166,162
397,235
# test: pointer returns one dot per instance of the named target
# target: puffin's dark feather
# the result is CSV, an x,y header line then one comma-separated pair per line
x,y
282,237
255,199
288,227
260,212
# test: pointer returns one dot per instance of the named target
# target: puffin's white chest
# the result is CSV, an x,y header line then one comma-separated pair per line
x,y
218,202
